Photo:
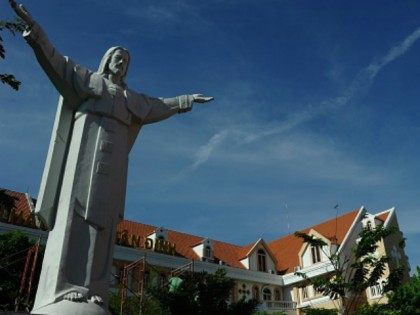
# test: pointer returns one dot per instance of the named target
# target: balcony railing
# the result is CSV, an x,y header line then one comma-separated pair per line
x,y
279,305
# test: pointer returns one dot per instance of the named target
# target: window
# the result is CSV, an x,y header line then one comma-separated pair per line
x,y
369,225
316,254
277,295
317,291
256,293
267,294
207,251
304,293
262,263
376,290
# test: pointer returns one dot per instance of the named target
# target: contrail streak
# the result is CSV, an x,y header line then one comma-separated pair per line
x,y
357,88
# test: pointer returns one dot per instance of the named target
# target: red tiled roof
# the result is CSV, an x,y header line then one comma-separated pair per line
x,y
228,253
286,249
383,216
21,213
244,250
135,228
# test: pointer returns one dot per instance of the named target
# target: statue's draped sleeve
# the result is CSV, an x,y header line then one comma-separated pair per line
x,y
147,110
75,84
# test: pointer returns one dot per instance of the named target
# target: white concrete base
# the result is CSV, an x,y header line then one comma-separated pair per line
x,y
65,307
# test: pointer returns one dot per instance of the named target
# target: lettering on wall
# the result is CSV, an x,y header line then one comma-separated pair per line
x,y
136,241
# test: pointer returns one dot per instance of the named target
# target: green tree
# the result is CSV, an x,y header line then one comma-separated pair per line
x,y
406,298
13,250
7,204
352,275
375,309
319,311
13,27
203,294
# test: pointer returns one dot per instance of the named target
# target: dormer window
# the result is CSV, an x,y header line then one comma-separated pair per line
x,y
262,260
204,250
316,254
207,252
161,233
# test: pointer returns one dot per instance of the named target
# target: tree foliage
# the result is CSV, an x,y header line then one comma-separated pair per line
x,y
13,27
13,250
352,275
404,300
7,202
203,294
194,294
319,311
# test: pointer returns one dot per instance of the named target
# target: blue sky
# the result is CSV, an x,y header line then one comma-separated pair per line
x,y
316,103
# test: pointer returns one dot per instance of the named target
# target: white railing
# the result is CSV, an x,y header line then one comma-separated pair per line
x,y
279,305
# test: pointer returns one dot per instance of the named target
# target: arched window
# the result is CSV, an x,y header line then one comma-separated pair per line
x,y
267,294
262,261
277,295
369,225
256,292
207,251
316,254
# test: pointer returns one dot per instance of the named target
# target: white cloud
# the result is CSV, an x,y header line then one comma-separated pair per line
x,y
203,153
358,87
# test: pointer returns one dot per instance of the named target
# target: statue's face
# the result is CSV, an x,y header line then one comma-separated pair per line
x,y
118,63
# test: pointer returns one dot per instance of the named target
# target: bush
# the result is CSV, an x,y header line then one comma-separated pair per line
x,y
319,311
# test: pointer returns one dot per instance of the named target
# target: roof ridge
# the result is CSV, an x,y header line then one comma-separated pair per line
x,y
13,191
138,223
332,219
316,225
384,211
203,238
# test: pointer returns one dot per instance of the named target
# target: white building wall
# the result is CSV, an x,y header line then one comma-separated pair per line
x,y
245,262
199,250
288,294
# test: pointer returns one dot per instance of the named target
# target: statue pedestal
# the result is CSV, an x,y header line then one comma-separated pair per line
x,y
65,307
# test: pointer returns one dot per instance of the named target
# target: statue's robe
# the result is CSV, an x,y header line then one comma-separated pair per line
x,y
82,191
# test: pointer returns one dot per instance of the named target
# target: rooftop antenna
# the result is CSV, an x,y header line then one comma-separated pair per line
x,y
287,217
334,240
336,218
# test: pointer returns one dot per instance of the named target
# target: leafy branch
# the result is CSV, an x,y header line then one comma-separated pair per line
x,y
17,26
356,273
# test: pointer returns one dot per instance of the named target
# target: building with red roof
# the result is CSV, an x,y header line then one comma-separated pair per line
x,y
263,269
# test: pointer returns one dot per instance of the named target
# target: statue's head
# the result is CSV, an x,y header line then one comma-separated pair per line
x,y
115,61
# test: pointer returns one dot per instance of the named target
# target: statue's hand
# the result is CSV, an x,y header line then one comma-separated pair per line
x,y
22,12
200,98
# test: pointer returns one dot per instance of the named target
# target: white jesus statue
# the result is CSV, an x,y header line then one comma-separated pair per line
x,y
82,192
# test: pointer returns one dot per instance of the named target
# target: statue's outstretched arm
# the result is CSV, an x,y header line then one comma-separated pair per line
x,y
22,13
162,108
68,78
